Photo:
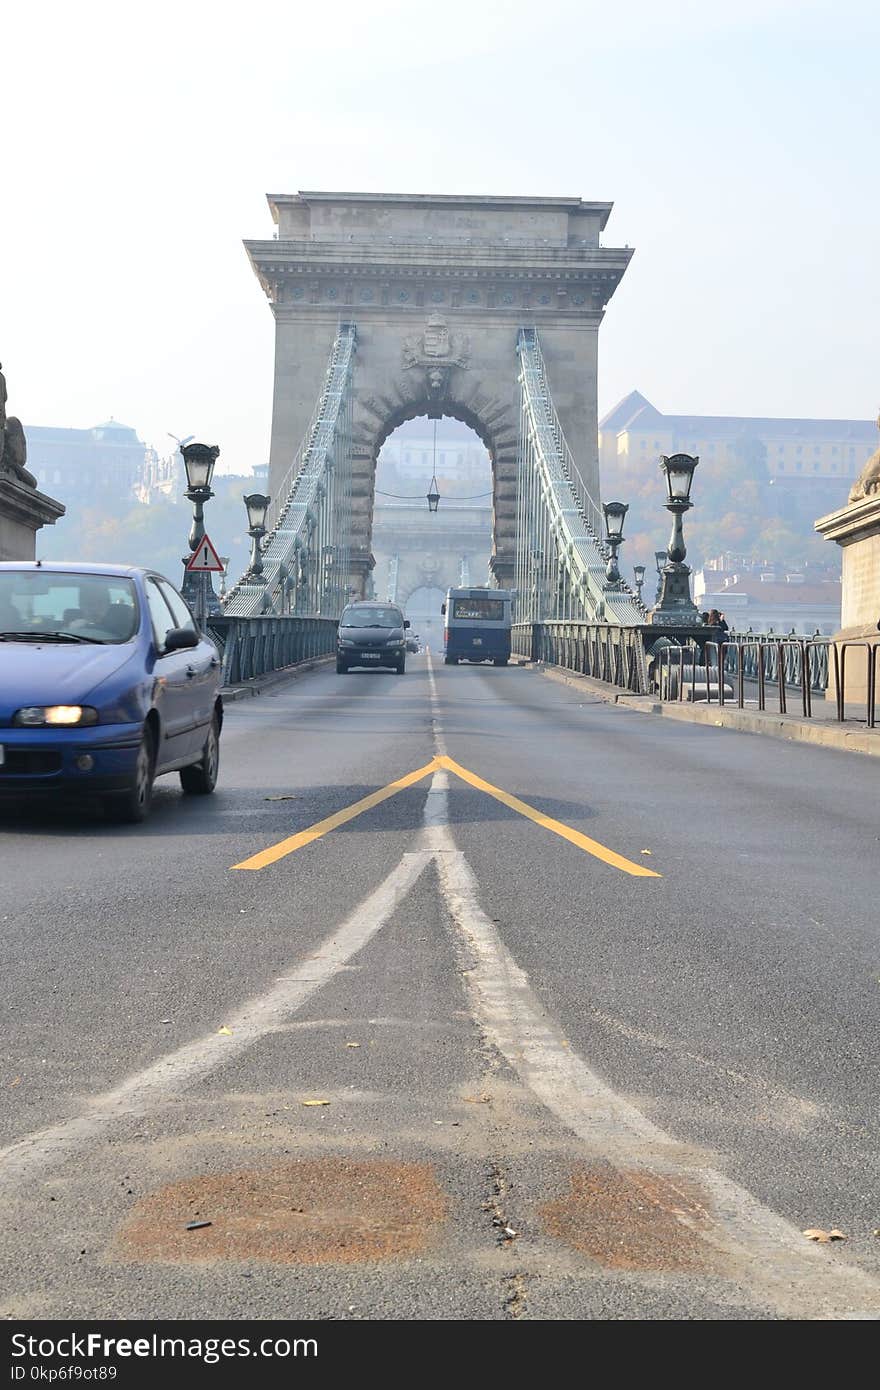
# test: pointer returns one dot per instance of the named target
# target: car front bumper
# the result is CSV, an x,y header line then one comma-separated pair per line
x,y
45,760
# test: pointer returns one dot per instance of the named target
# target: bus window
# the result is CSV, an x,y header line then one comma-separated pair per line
x,y
478,609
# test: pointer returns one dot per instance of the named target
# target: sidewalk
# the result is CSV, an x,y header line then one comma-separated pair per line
x,y
822,730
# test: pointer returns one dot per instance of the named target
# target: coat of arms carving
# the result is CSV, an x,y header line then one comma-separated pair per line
x,y
436,352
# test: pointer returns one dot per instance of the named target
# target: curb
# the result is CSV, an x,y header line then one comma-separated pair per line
x,y
263,684
786,727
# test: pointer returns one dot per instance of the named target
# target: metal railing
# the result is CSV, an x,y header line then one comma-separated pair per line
x,y
254,646
757,668
605,651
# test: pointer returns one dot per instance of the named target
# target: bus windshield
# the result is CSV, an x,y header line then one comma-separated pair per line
x,y
489,610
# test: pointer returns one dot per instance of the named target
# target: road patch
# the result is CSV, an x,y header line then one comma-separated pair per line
x,y
311,1212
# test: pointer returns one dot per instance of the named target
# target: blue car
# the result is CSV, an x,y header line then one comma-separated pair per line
x,y
105,684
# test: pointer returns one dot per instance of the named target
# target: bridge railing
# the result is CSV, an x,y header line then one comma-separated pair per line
x,y
254,646
782,674
605,651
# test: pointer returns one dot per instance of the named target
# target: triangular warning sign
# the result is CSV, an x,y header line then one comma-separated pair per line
x,y
205,558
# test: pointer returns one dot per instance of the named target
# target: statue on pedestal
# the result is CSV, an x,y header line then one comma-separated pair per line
x,y
13,445
868,481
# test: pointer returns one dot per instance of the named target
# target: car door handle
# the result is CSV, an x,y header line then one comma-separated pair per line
x,y
190,671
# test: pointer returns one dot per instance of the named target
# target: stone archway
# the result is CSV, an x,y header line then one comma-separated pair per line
x,y
438,288
494,421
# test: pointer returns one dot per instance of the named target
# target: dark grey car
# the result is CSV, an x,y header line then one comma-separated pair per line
x,y
371,634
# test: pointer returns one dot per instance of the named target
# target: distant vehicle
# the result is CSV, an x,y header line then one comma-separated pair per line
x,y
477,625
413,644
371,634
105,684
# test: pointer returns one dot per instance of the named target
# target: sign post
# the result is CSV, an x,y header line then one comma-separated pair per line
x,y
203,562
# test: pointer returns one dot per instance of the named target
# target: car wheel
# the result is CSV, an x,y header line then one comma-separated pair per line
x,y
341,668
401,666
200,779
133,805
450,661
500,661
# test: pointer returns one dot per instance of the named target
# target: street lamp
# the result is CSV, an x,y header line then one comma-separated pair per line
x,y
198,589
257,506
433,495
614,517
659,561
675,604
639,576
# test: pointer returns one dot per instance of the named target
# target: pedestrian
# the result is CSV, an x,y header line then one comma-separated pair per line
x,y
716,620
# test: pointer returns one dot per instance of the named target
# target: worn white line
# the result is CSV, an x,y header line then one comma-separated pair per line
x,y
763,1253
153,1086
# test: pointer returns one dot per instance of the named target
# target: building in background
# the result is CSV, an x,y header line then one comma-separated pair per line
x,y
406,459
102,466
769,598
160,478
794,450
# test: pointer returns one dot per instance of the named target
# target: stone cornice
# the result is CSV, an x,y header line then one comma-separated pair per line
x,y
329,276
477,202
25,504
853,522
373,258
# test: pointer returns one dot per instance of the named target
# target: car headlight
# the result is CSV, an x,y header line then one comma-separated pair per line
x,y
346,642
59,716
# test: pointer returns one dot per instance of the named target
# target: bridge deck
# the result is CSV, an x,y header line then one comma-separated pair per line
x,y
560,1028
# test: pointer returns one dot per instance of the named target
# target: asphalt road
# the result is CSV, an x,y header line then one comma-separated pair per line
x,y
447,1060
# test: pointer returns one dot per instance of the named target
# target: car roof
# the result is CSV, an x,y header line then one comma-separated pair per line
x,y
375,603
74,567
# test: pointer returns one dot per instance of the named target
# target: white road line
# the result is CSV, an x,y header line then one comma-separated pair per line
x,y
253,1020
762,1253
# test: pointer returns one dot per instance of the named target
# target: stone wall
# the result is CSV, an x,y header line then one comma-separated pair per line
x,y
856,529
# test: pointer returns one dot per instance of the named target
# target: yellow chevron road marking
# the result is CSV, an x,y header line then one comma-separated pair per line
x,y
599,851
323,827
273,853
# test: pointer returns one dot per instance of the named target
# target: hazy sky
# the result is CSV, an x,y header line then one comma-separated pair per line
x,y
737,140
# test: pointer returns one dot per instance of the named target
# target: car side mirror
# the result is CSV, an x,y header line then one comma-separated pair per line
x,y
406,622
443,610
179,639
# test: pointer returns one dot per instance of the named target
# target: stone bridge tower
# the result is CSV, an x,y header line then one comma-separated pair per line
x,y
438,288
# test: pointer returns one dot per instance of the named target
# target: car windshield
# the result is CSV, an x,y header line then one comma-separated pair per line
x,y
66,607
371,617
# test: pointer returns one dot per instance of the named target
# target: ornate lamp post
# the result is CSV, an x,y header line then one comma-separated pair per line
x,y
198,589
675,604
659,561
639,576
614,517
257,507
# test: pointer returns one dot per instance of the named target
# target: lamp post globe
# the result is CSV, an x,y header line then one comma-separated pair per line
x,y
198,589
614,513
674,602
257,506
199,461
639,576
